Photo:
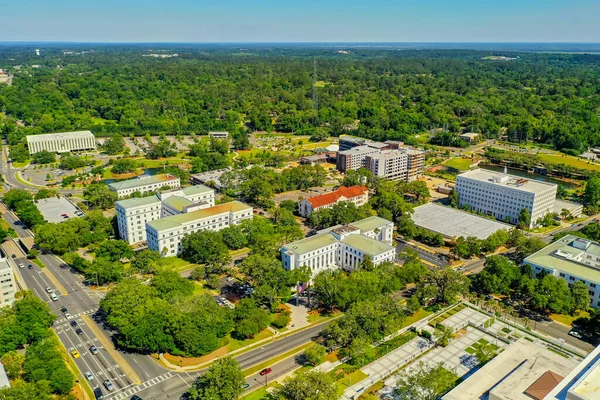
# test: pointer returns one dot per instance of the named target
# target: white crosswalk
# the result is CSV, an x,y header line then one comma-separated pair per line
x,y
87,312
126,393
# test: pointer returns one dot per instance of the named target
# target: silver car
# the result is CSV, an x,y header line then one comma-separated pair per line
x,y
88,375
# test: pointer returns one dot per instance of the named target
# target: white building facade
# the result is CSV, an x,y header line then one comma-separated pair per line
x,y
8,285
572,259
61,142
165,235
343,247
389,164
504,196
132,214
144,184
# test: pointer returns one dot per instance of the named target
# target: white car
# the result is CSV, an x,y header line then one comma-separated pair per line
x,y
575,334
21,265
88,375
53,296
49,289
68,316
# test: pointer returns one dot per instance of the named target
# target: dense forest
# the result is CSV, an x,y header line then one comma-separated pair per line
x,y
550,98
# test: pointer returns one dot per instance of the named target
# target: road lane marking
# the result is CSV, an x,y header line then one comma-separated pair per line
x,y
55,281
108,346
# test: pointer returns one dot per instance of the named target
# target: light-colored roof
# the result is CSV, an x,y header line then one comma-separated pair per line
x,y
4,264
370,223
4,382
311,243
583,382
139,201
388,154
177,220
509,181
177,202
196,189
56,136
451,222
511,372
142,180
548,258
470,135
366,244
359,150
559,205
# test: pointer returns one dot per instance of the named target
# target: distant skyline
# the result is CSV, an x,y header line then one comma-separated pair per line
x,y
301,21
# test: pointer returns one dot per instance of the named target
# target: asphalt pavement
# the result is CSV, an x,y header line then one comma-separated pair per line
x,y
437,261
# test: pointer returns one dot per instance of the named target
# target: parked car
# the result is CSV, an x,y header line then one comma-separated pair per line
x,y
265,371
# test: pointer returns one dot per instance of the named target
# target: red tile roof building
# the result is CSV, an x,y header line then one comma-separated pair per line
x,y
358,195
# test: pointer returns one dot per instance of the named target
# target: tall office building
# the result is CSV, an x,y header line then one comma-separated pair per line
x,y
8,285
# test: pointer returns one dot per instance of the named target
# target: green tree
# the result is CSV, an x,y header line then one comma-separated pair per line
x,y
453,198
146,261
424,383
45,194
19,153
13,364
233,237
103,271
98,195
591,195
204,247
114,250
114,145
443,335
314,354
445,285
169,285
223,381
123,166
524,218
485,352
581,298
44,157
14,197
309,385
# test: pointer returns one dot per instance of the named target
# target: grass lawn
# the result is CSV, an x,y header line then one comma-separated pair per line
x,y
38,263
569,160
158,163
422,313
560,353
461,164
21,164
568,319
235,344
274,360
545,229
349,380
176,263
234,253
200,289
261,393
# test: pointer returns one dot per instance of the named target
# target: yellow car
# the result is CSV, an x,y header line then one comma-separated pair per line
x,y
75,354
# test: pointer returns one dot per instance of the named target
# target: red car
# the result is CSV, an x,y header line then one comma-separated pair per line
x,y
265,371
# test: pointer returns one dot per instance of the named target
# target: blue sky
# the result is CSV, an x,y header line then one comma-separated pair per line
x,y
301,21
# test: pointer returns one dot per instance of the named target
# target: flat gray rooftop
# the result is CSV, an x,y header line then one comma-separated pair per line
x,y
508,181
57,136
53,208
451,222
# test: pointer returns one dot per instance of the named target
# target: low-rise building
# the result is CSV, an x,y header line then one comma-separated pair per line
x,y
358,195
315,159
504,196
8,285
165,235
470,137
575,210
582,383
61,142
132,214
219,135
144,184
572,259
343,247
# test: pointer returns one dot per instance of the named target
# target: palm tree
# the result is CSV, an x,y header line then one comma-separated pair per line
x,y
526,322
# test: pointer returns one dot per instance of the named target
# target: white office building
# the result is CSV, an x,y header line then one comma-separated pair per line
x,y
132,214
144,184
572,259
344,246
61,142
504,196
165,235
8,285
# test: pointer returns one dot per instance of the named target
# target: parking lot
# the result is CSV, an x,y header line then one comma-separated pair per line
x,y
57,209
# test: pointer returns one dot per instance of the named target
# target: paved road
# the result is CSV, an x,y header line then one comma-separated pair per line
x,y
423,255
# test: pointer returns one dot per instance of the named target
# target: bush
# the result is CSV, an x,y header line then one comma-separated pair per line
x,y
425,334
280,321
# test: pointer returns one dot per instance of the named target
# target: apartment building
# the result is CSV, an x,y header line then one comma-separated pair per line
x,y
354,158
504,196
144,184
389,164
358,195
165,235
348,142
132,214
344,246
572,259
8,285
61,142
415,164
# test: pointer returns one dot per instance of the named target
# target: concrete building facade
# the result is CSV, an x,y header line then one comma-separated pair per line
x,y
358,195
354,158
144,184
8,285
343,247
61,142
389,164
504,196
132,214
572,259
165,235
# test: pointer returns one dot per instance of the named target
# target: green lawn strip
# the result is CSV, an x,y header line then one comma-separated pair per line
x,y
568,319
569,160
261,393
419,315
470,350
21,164
560,353
37,262
461,164
234,253
274,360
349,380
234,344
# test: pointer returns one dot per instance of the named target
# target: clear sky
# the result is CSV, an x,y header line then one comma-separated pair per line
x,y
300,21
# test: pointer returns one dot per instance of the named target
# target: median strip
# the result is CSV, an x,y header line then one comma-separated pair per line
x,y
55,282
114,353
